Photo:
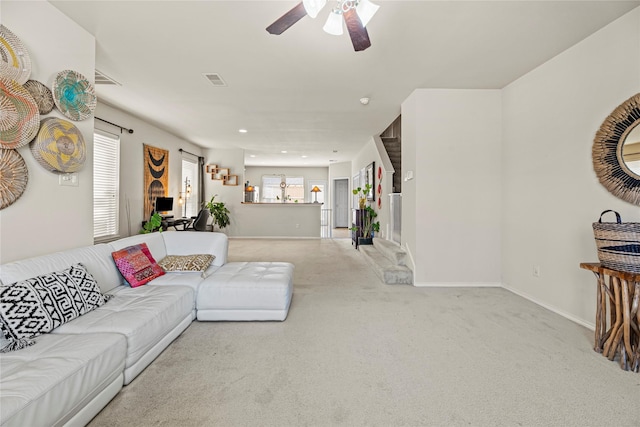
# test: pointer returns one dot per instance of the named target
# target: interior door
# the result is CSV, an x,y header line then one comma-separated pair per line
x,y
341,202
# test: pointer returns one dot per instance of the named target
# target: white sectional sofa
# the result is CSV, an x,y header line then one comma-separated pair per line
x,y
71,373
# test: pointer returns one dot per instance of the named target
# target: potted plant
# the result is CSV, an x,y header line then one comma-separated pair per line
x,y
362,194
368,227
219,212
154,223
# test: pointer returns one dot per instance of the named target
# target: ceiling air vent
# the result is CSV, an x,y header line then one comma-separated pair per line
x,y
103,79
215,79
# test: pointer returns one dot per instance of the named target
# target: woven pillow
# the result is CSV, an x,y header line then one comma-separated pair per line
x,y
136,264
38,305
197,262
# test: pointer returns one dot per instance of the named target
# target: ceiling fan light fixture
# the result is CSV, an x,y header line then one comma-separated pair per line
x,y
313,7
333,25
365,10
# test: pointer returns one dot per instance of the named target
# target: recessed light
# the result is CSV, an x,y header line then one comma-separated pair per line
x,y
284,151
252,155
243,130
364,101
304,157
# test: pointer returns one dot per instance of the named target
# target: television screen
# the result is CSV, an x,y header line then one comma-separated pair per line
x,y
164,204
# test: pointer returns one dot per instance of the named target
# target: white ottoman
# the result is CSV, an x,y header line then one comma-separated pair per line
x,y
246,291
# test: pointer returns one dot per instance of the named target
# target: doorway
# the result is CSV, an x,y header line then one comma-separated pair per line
x,y
341,203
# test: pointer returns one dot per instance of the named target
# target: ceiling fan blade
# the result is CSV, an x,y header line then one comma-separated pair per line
x,y
357,32
287,20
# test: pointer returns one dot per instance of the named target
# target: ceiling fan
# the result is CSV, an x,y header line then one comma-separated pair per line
x,y
355,13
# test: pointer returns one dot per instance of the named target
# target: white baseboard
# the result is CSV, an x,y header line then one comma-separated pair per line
x,y
556,310
458,285
275,237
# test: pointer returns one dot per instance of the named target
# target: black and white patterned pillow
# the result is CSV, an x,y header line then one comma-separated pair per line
x,y
38,305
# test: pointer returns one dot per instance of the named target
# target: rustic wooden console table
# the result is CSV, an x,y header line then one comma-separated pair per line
x,y
617,315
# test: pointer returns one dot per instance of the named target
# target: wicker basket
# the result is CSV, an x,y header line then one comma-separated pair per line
x,y
618,244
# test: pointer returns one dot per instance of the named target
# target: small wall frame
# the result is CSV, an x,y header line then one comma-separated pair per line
x,y
218,174
230,180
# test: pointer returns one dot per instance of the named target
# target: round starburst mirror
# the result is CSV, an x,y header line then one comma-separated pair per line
x,y
616,151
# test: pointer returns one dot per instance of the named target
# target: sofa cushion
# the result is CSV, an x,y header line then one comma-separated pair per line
x,y
196,262
38,305
97,259
48,383
137,265
154,242
144,315
181,243
248,286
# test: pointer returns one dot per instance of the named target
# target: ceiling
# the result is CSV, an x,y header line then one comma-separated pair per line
x,y
299,92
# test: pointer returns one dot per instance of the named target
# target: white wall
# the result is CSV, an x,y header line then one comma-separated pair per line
x,y
231,195
49,217
131,163
550,193
455,137
409,123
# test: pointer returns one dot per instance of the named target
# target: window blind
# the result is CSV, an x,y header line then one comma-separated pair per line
x,y
106,184
190,172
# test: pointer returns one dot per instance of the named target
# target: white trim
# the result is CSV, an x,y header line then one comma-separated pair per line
x,y
556,310
458,285
276,237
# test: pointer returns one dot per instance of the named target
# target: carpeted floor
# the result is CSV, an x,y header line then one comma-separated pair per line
x,y
356,352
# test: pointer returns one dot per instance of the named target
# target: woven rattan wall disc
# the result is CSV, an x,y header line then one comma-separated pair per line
x,y
613,174
74,95
59,146
41,95
15,63
19,116
13,177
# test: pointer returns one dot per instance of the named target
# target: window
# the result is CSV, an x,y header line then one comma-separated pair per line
x,y
274,193
106,183
189,187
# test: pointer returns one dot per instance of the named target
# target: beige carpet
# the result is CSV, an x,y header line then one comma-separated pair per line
x,y
356,352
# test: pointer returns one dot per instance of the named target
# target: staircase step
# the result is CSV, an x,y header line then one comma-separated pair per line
x,y
389,273
391,250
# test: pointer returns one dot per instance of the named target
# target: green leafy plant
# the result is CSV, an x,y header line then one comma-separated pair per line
x,y
219,212
362,194
154,223
368,226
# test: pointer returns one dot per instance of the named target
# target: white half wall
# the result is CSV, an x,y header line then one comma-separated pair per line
x,y
551,194
454,136
49,217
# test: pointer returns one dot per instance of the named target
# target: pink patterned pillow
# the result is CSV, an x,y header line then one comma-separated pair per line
x,y
137,264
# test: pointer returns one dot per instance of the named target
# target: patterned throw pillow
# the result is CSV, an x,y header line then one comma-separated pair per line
x,y
198,262
38,305
137,265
